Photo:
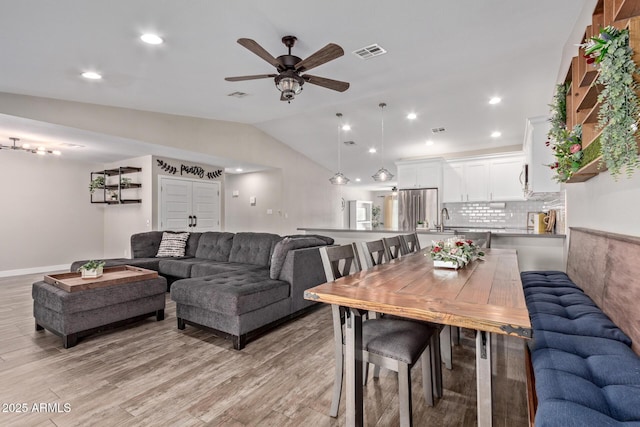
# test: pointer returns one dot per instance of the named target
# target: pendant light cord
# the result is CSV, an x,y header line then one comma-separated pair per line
x,y
382,105
339,115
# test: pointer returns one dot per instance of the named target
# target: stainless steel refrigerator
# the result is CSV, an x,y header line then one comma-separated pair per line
x,y
417,205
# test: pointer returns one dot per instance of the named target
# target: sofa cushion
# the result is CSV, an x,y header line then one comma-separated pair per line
x,y
215,246
253,248
173,244
209,268
287,244
178,267
232,293
145,245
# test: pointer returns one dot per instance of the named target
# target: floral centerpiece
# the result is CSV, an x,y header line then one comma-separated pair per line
x,y
454,253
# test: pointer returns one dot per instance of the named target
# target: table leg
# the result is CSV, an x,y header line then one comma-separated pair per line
x,y
483,378
353,365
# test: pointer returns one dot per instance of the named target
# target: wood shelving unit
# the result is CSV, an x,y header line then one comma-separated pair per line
x,y
118,187
582,96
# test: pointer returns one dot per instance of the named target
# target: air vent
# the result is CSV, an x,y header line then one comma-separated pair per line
x,y
437,130
238,94
349,143
370,51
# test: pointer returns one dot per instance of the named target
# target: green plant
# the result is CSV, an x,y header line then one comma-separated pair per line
x,y
619,105
91,265
591,152
96,183
459,251
568,153
558,117
125,182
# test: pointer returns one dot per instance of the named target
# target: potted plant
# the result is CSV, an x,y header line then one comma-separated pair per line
x,y
125,182
96,183
91,269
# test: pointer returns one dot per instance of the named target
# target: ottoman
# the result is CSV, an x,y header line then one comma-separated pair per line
x,y
73,315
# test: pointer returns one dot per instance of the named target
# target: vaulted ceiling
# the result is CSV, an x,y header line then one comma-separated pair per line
x,y
444,61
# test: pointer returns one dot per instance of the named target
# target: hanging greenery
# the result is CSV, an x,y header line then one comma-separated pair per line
x,y
558,112
566,144
619,105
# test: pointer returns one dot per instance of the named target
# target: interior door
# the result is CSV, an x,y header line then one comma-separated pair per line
x,y
175,204
206,206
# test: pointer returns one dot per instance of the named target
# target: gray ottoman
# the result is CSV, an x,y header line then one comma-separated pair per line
x,y
76,314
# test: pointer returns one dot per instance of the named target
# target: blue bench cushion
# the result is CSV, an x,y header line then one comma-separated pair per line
x,y
592,373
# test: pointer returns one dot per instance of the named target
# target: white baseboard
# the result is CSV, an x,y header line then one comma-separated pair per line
x,y
34,270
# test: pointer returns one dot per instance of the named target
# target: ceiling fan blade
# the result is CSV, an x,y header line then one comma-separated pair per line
x,y
254,47
325,82
324,55
257,76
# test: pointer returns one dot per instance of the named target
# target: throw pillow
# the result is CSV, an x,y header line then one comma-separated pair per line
x,y
172,244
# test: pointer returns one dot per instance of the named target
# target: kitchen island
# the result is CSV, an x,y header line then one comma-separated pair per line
x,y
545,251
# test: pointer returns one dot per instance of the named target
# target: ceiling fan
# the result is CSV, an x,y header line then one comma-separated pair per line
x,y
288,80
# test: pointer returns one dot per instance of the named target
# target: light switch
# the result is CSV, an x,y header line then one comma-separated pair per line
x,y
235,193
252,200
269,211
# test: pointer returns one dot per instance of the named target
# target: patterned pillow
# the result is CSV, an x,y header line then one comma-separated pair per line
x,y
172,244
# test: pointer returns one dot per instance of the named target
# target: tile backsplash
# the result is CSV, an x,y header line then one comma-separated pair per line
x,y
512,215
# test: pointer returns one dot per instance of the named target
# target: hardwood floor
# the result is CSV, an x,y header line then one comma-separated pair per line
x,y
150,373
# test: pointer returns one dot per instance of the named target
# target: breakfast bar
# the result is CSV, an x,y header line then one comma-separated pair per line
x,y
486,296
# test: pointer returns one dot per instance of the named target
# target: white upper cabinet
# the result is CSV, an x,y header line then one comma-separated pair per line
x,y
538,156
506,179
483,179
420,174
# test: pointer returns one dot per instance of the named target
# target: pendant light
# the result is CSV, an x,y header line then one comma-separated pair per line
x,y
382,174
339,178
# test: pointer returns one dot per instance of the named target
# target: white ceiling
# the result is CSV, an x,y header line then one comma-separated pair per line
x,y
445,60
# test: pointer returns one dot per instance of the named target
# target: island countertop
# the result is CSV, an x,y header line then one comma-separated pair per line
x,y
496,232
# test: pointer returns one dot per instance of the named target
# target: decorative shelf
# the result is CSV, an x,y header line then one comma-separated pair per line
x,y
588,171
115,188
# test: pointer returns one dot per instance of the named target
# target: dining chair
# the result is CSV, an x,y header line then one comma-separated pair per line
x,y
394,246
373,253
391,343
410,243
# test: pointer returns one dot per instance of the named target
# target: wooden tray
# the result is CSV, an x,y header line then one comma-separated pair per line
x,y
111,276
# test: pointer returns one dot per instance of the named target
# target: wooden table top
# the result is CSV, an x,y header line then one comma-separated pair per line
x,y
485,295
112,276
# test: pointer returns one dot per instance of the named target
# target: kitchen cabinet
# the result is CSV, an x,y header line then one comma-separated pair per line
x,y
419,174
505,179
539,177
483,179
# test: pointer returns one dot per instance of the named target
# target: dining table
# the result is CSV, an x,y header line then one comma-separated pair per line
x,y
486,296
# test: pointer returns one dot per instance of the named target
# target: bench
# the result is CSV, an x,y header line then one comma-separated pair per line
x,y
583,364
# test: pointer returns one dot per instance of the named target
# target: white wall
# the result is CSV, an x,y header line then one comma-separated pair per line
x,y
605,204
266,187
46,219
123,220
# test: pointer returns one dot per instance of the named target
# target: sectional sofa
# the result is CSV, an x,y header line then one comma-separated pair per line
x,y
237,285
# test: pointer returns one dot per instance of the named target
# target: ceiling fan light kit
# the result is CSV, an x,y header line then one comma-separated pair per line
x,y
289,81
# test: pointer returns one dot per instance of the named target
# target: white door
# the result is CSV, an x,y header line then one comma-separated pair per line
x,y
476,181
175,204
452,183
505,179
206,206
189,205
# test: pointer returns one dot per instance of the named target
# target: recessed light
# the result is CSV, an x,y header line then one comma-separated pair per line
x,y
429,142
372,150
495,100
358,180
412,116
150,38
346,127
239,169
496,134
91,75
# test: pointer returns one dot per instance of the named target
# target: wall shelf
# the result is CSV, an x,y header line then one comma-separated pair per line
x,y
115,189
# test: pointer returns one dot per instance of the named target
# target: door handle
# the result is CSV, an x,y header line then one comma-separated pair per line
x,y
190,221
195,221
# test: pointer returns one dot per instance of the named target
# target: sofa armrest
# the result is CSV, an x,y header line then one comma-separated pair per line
x,y
302,269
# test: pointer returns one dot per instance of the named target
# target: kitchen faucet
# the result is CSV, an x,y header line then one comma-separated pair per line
x,y
444,214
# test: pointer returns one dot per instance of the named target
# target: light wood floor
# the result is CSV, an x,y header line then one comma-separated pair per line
x,y
151,373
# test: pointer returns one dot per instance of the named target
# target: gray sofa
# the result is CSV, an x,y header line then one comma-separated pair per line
x,y
237,285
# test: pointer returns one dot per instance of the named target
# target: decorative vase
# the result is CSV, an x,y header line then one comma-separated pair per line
x,y
92,274
446,264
